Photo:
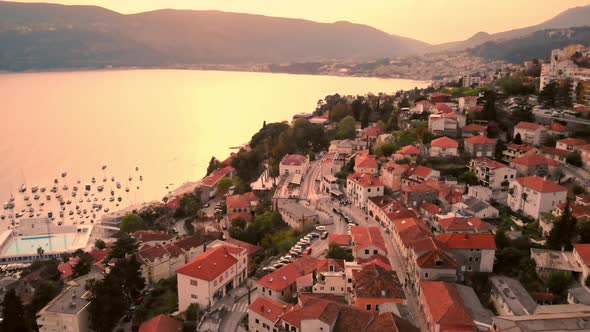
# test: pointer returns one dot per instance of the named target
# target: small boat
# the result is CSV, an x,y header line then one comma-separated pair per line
x,y
88,187
127,189
42,189
96,199
71,213
104,167
29,204
81,201
65,187
136,168
137,187
85,193
64,174
36,197
41,203
74,194
2,217
88,200
68,202
78,182
26,198
31,210
112,192
8,205
34,189
54,190
100,188
55,181
130,178
31,215
22,188
18,215
113,179
93,180
119,199
141,178
112,199
104,199
62,203
74,188
118,185
106,210
58,196
22,210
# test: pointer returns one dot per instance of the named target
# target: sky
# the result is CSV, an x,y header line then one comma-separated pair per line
x,y
432,21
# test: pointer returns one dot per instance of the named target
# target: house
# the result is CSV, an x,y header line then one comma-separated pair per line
x,y
463,225
582,257
66,269
533,195
480,146
159,262
474,130
343,240
367,242
68,311
280,285
557,129
331,277
414,195
293,164
152,237
510,297
467,101
374,286
447,123
585,153
475,207
241,206
569,144
405,231
444,308
161,323
530,133
554,154
391,175
444,147
361,186
297,215
366,164
408,152
419,174
535,165
491,173
211,275
428,211
472,252
264,314
208,185
517,150
548,262
439,97
429,259
567,320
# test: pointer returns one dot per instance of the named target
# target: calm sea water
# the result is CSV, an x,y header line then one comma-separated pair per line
x,y
167,123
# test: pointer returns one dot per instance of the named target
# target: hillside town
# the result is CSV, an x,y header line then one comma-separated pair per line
x,y
461,207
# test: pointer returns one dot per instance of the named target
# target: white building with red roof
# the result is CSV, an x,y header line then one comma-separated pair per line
x,y
463,225
366,164
419,174
159,262
408,152
517,150
241,206
444,147
152,237
161,323
405,231
208,184
447,122
391,175
569,144
429,259
474,130
480,146
361,186
491,173
281,285
533,195
472,252
330,277
582,257
535,164
264,313
531,133
294,164
367,242
211,275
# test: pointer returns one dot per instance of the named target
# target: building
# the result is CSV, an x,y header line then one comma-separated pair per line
x,y
517,150
391,175
439,97
463,225
467,101
472,252
480,146
475,207
548,262
555,154
297,215
211,275
161,323
69,310
533,195
429,259
408,152
366,164
491,173
535,165
159,262
474,130
331,277
241,206
530,133
152,238
264,314
576,321
361,186
294,164
447,124
582,257
406,231
208,185
367,242
510,297
569,144
444,147
374,287
419,174
414,195
281,285
585,153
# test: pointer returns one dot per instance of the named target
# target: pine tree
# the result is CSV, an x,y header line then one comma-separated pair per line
x,y
563,230
13,313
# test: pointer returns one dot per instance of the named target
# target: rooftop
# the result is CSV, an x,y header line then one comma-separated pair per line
x,y
555,259
468,241
534,160
539,184
514,295
210,264
269,308
293,160
528,126
445,304
161,323
374,281
367,236
444,142
74,297
365,180
480,139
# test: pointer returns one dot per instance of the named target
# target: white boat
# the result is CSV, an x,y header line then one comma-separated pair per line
x,y
85,193
118,185
22,188
42,189
106,210
34,189
41,203
29,204
104,179
93,180
36,197
65,187
58,196
112,199
26,198
100,188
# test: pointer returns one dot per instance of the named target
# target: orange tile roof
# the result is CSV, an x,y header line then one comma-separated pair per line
x,y
252,249
365,162
474,128
557,127
411,229
421,171
151,235
572,141
430,208
323,265
476,108
445,305
161,323
212,179
584,251
269,308
293,159
480,139
210,264
240,201
288,274
520,147
67,269
528,126
463,224
367,236
376,260
539,184
373,281
534,160
409,150
444,142
555,152
468,241
365,180
340,239
443,107
489,163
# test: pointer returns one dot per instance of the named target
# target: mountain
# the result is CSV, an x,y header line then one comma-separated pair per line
x,y
44,36
535,45
573,17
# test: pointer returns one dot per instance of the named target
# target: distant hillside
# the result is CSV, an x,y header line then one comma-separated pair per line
x,y
536,45
43,36
573,17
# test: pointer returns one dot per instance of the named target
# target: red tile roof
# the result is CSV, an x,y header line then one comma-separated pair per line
x,y
375,260
374,131
468,241
212,179
445,305
534,160
323,265
421,171
584,251
269,308
457,224
252,249
409,150
293,159
471,98
444,142
151,253
490,163
557,127
340,239
365,180
67,269
375,282
100,254
430,208
476,108
443,107
520,147
411,229
365,162
161,323
539,184
528,126
547,150
281,278
189,242
471,128
572,141
367,236
210,264
480,139
241,201
151,235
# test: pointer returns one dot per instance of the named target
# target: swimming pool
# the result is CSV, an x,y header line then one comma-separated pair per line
x,y
49,243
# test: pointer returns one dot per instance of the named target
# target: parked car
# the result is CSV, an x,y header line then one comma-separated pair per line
x,y
321,228
324,235
314,235
336,210
307,251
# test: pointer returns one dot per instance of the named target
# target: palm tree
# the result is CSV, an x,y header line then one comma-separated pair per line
x,y
523,197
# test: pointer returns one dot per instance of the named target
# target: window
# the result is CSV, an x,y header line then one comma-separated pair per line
x,y
193,282
476,259
214,283
257,321
244,261
349,280
426,275
226,274
469,268
366,251
282,293
369,190
375,252
368,307
193,296
471,259
376,307
332,288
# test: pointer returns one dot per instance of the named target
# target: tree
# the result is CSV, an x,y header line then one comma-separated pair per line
x,y
214,164
517,139
564,94
191,203
45,291
523,112
335,251
192,312
558,282
574,158
84,264
124,246
346,128
127,273
501,239
339,112
13,313
548,95
387,149
470,178
99,244
132,223
583,231
489,105
223,185
562,233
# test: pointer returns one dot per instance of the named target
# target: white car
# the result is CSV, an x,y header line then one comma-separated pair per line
x,y
321,228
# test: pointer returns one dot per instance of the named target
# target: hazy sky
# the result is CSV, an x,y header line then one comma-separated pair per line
x,y
433,21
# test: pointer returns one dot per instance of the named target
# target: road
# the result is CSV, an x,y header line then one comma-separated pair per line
x,y
563,118
236,309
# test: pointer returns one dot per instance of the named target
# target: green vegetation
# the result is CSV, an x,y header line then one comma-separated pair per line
x,y
214,165
346,128
337,252
574,158
558,283
13,313
163,299
124,246
558,95
563,231
515,85
99,244
132,223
